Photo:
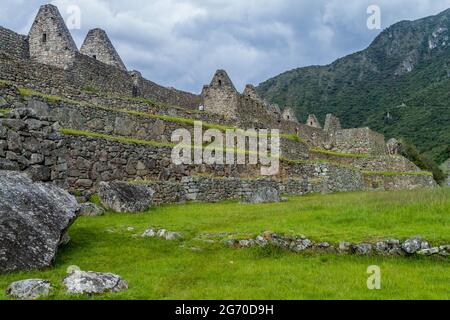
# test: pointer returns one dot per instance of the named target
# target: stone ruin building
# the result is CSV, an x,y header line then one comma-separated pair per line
x,y
98,46
78,118
289,115
49,39
313,122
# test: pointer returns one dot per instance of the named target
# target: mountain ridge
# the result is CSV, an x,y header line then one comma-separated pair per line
x,y
398,85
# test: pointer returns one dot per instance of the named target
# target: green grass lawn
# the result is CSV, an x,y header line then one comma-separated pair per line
x,y
159,269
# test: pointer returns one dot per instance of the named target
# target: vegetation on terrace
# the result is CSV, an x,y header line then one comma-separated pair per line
x,y
183,121
129,140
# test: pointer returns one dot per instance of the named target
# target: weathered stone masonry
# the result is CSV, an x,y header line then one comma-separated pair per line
x,y
49,39
14,44
98,46
97,92
49,58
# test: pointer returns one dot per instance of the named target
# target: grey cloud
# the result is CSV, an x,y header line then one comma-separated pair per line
x,y
181,43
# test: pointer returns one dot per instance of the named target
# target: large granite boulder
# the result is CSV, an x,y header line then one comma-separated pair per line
x,y
264,194
88,282
124,197
33,219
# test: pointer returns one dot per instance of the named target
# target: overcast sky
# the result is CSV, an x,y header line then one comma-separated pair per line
x,y
180,43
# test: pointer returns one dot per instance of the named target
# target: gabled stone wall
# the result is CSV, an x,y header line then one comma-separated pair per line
x,y
221,96
360,140
49,39
98,46
87,73
289,115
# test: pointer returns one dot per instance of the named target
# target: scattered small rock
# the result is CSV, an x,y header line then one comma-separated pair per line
x,y
230,242
88,282
173,236
413,245
324,245
345,247
64,240
161,233
261,241
428,252
389,247
30,289
263,195
363,249
149,233
302,244
90,209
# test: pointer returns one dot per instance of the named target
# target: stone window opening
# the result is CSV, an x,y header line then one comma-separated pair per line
x,y
220,83
44,38
94,56
135,92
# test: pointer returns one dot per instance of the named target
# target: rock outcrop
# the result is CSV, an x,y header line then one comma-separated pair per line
x,y
30,289
264,194
124,197
33,220
88,282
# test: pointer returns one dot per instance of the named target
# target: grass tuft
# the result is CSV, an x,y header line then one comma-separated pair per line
x,y
340,154
127,140
4,82
398,173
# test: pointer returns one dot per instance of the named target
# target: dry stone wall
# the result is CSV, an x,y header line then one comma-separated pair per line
x,y
398,182
14,44
87,73
360,140
33,144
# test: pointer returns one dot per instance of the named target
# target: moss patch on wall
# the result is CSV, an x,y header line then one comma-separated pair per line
x,y
395,173
340,154
126,140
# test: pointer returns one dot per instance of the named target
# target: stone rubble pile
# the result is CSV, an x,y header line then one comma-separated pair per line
x,y
161,233
412,246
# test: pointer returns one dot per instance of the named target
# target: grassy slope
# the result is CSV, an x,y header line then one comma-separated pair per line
x,y
158,269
